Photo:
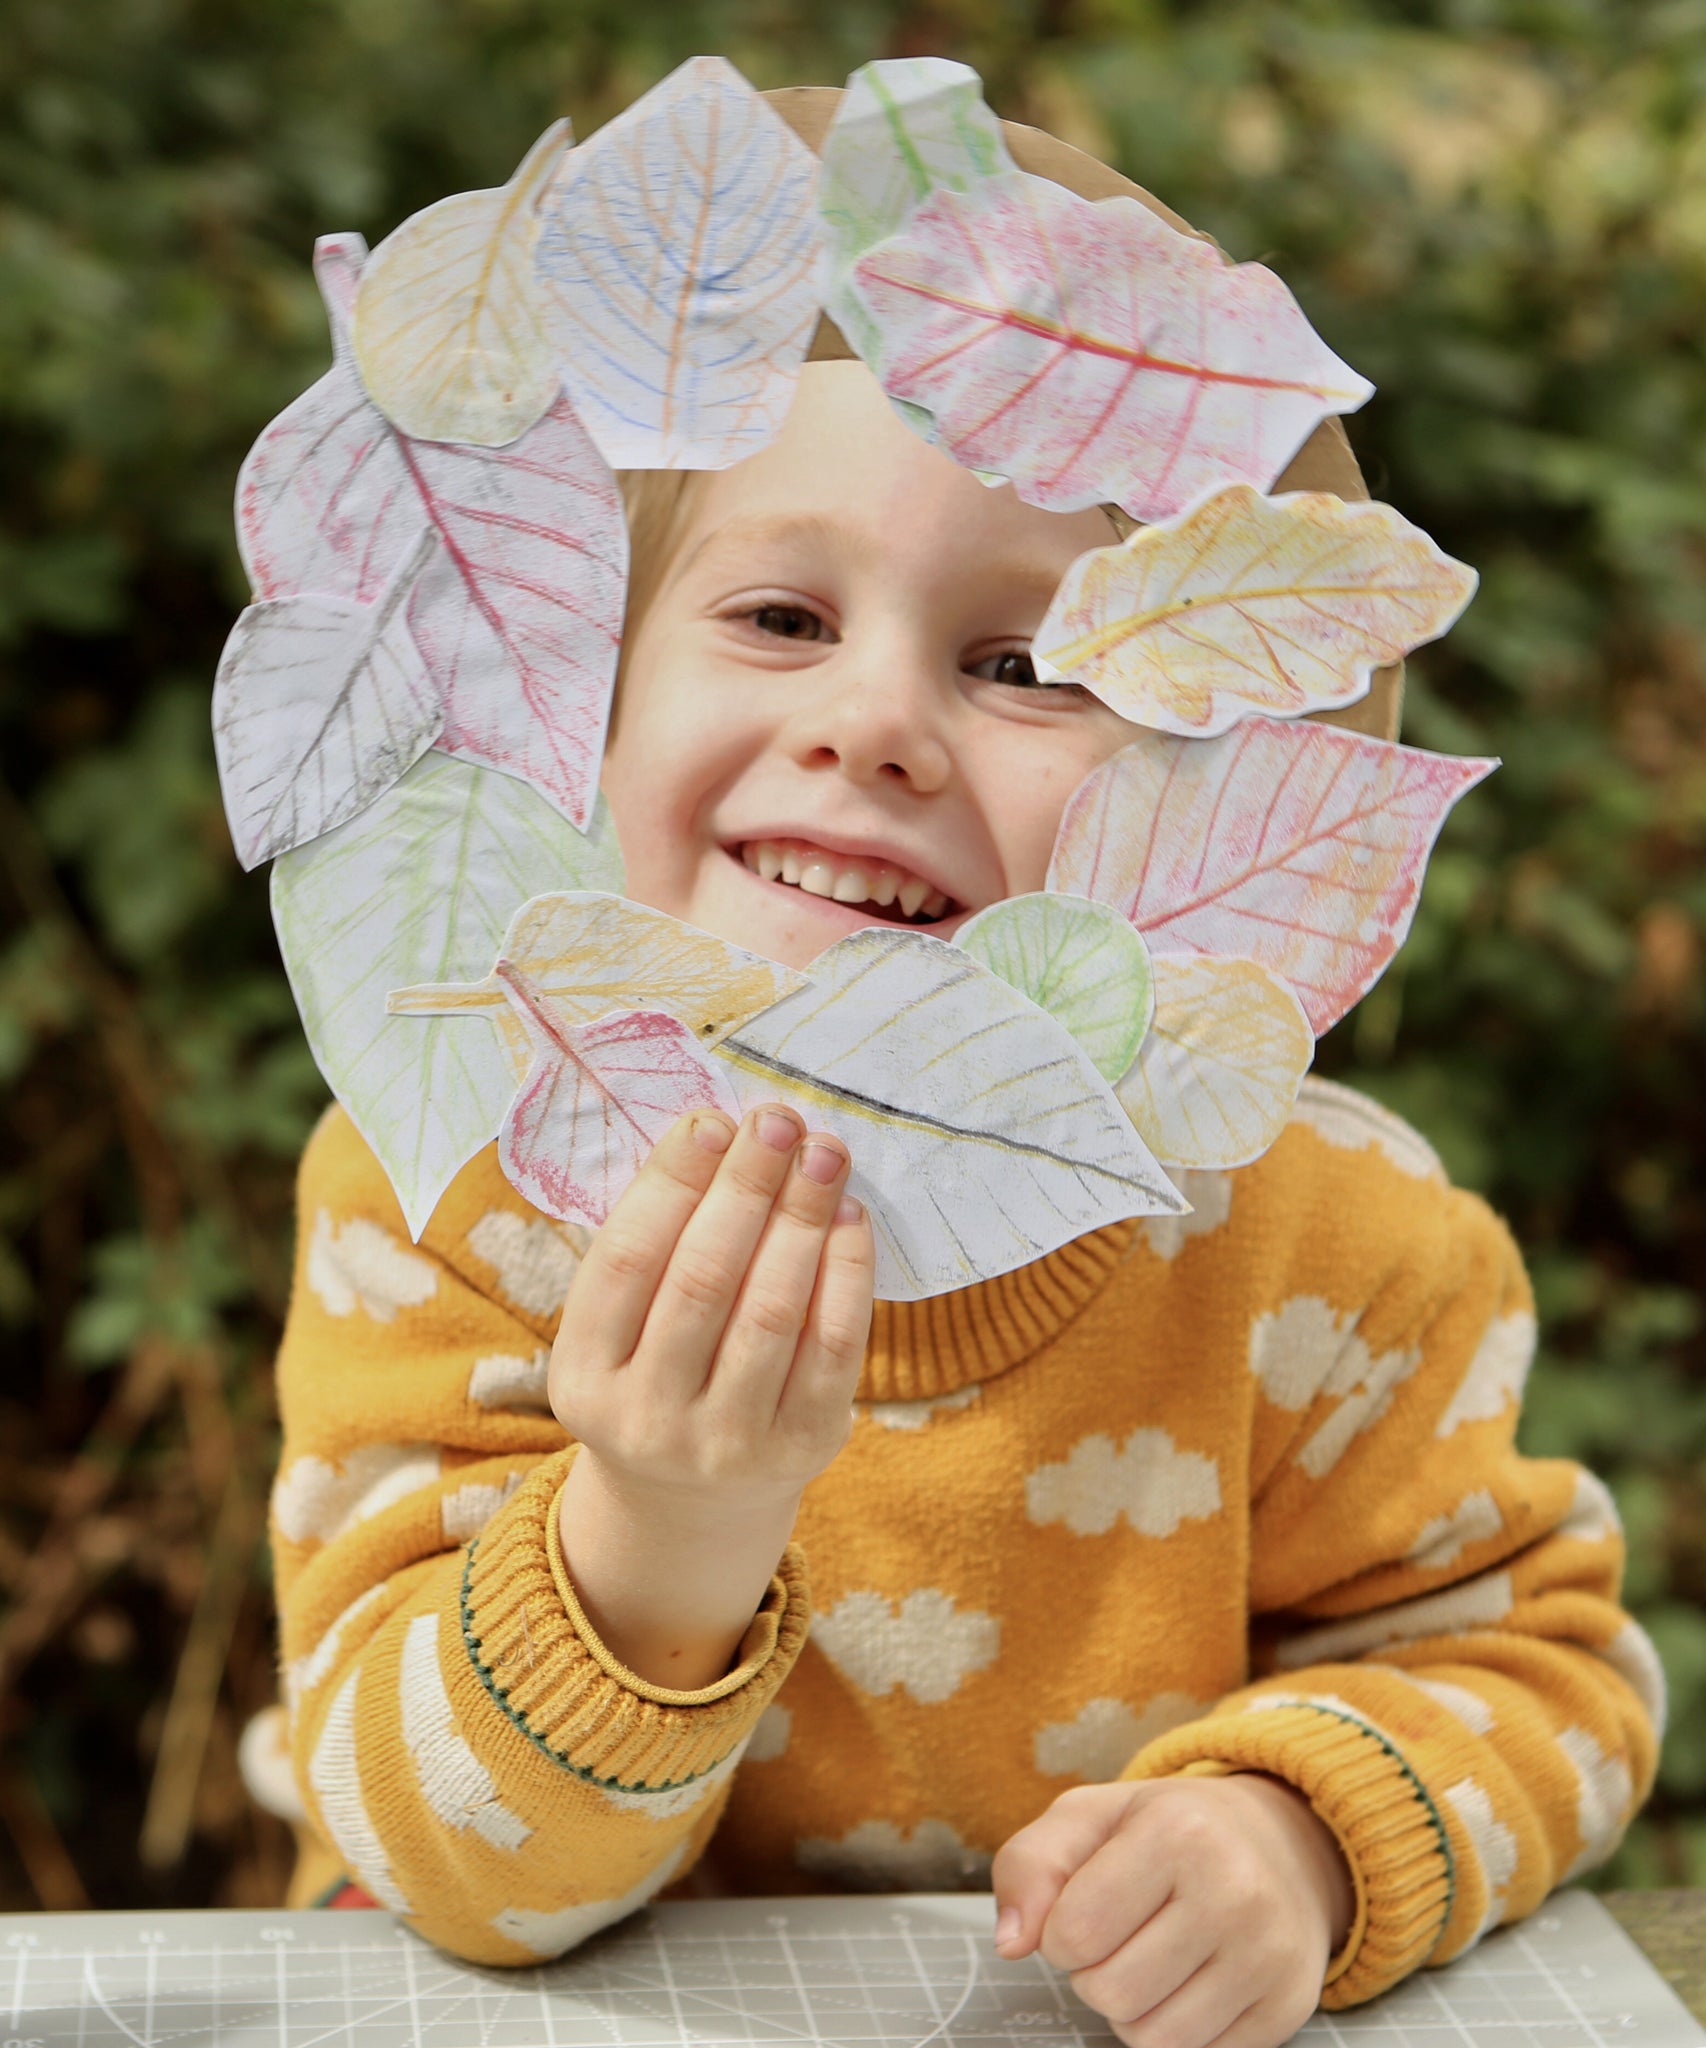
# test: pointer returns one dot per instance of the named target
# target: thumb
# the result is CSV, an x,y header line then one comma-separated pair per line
x,y
1032,1867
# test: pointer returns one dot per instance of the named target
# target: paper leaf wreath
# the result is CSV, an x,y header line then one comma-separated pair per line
x,y
410,717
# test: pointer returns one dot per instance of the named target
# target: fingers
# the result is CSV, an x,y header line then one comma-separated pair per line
x,y
707,1269
831,1347
613,1289
1033,1867
764,1332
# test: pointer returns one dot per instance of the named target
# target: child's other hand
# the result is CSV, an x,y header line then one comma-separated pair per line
x,y
706,1363
1189,1912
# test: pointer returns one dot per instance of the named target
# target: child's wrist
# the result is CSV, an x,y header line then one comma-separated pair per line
x,y
1323,1860
669,1578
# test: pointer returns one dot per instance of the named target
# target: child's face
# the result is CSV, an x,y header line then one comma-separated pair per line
x,y
833,674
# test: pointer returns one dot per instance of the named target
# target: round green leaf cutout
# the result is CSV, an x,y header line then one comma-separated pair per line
x,y
1076,959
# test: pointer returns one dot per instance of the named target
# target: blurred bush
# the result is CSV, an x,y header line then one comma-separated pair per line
x,y
1497,208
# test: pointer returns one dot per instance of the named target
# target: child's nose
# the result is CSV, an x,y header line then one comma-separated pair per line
x,y
878,727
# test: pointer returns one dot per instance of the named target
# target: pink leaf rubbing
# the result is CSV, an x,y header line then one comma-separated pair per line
x,y
596,1100
1299,846
1091,353
520,616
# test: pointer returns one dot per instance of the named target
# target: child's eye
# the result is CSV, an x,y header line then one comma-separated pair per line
x,y
787,622
1013,665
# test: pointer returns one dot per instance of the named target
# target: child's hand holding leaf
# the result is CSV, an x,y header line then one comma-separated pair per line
x,y
705,1363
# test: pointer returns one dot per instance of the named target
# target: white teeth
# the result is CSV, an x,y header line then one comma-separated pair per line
x,y
844,881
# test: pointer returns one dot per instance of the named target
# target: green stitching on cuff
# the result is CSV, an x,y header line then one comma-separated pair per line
x,y
500,1697
1423,1795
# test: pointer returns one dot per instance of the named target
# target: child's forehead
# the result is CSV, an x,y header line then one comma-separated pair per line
x,y
846,476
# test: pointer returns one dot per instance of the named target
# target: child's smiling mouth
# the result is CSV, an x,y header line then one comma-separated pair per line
x,y
865,884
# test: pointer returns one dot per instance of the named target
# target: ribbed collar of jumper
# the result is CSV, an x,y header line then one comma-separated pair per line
x,y
921,1349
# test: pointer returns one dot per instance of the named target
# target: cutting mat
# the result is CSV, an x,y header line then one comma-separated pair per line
x,y
889,1972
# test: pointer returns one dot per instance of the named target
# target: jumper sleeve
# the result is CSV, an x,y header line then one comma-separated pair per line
x,y
477,1759
1443,1667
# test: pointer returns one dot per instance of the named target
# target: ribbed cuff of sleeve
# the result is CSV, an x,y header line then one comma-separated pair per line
x,y
545,1669
1389,1829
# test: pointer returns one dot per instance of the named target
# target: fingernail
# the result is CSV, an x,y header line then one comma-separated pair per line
x,y
711,1132
847,1210
821,1162
1007,1927
779,1132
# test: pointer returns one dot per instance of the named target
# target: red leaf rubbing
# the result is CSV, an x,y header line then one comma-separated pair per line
x,y
520,617
1299,846
1092,353
596,1100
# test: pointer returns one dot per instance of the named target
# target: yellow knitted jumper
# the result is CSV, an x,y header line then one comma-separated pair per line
x,y
1231,1491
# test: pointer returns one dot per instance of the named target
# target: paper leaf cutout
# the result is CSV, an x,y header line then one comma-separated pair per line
x,y
420,885
582,956
448,330
981,1136
1285,605
596,1099
1093,354
905,127
1078,960
678,272
519,619
1299,846
320,705
1218,1074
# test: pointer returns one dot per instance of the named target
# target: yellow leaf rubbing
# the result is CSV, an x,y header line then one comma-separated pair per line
x,y
448,331
1216,1078
589,957
1279,604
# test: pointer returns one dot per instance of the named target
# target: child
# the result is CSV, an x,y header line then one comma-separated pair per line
x,y
1184,1585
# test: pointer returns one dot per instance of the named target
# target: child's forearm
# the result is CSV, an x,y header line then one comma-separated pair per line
x,y
670,1582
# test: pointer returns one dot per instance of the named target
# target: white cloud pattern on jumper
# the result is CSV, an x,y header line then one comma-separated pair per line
x,y
507,1380
1605,1792
1494,1378
1351,1122
1105,1734
1147,1479
456,1786
336,1782
1493,1843
1209,1193
1475,1519
466,1511
1306,1351
555,1933
1477,1603
302,1674
356,1265
315,1500
1631,1655
876,1857
1469,1707
925,1644
533,1258
770,1737
916,1414
679,1799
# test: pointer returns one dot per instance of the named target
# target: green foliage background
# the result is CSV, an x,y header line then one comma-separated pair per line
x,y
1496,208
